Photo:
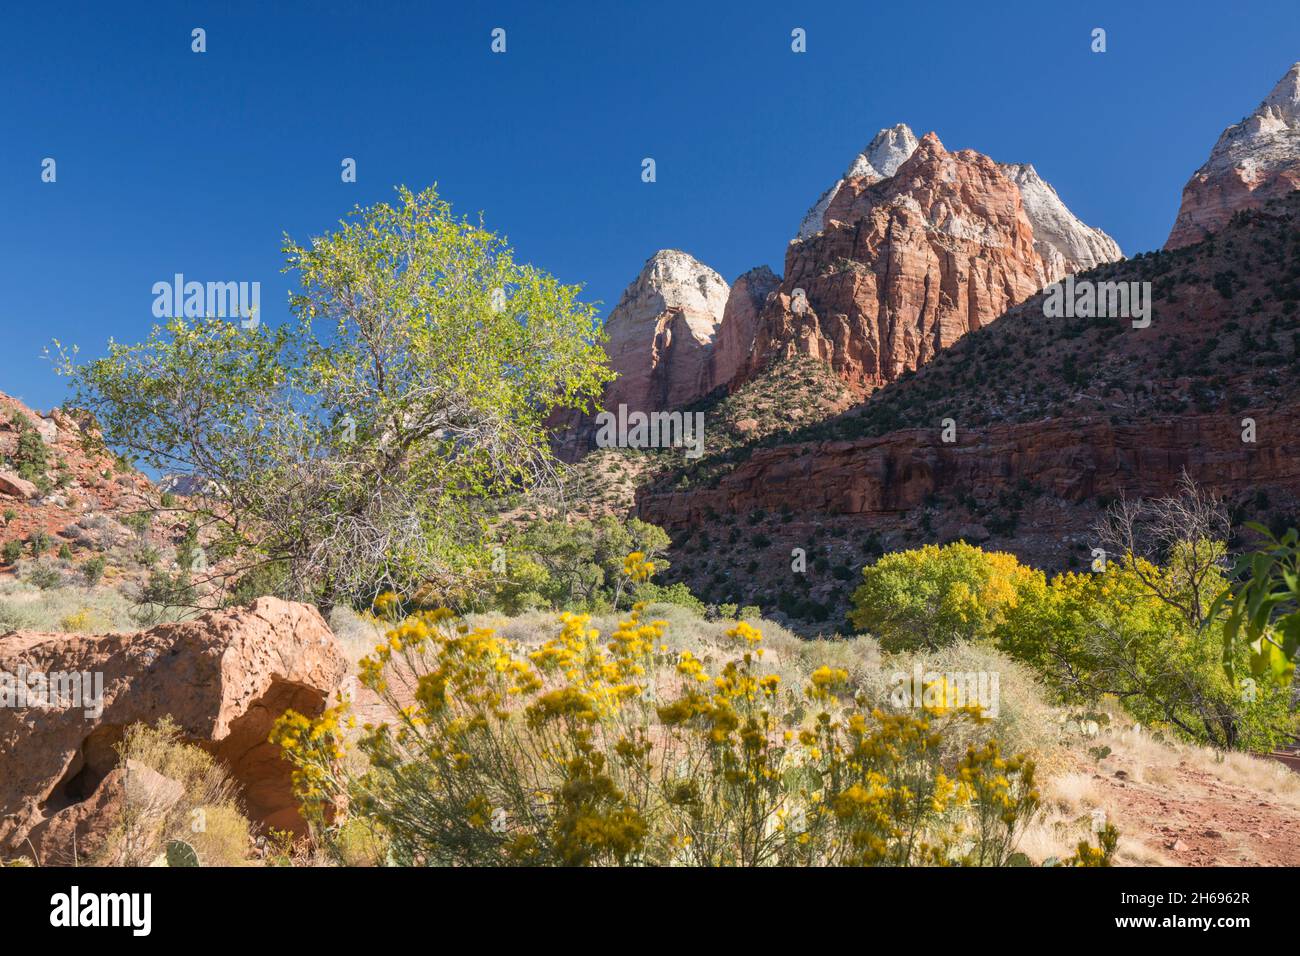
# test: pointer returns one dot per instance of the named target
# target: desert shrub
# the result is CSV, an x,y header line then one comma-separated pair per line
x,y
934,596
269,578
676,593
39,543
77,622
12,551
1019,714
93,570
206,813
43,574
615,749
164,597
30,458
11,618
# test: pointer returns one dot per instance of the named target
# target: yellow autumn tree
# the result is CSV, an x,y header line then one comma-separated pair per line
x,y
935,596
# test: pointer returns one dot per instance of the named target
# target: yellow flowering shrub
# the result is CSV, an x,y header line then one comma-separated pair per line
x,y
608,749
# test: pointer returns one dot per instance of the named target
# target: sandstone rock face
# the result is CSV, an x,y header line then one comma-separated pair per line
x,y
910,249
660,343
1066,244
87,478
735,339
1254,161
224,678
904,267
661,333
80,832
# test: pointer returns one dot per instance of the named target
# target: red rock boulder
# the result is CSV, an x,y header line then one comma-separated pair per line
x,y
224,678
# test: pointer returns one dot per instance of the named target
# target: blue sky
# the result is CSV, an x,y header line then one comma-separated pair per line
x,y
171,161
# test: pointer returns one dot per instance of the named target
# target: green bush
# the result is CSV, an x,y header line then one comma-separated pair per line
x,y
43,575
31,460
576,565
39,543
93,570
1092,634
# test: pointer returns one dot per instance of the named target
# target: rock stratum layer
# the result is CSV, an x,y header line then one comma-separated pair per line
x,y
1072,460
1253,162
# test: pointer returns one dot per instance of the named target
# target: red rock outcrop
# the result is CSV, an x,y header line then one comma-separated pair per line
x,y
81,481
14,487
224,678
80,833
1066,243
905,266
735,339
1254,161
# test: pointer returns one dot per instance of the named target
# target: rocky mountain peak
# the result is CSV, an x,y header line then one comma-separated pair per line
x,y
1064,242
1254,161
887,150
661,332
672,279
1284,101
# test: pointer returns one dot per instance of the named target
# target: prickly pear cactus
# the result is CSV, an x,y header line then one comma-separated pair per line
x,y
180,853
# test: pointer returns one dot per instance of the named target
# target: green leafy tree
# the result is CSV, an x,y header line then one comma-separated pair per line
x,y
363,445
1263,612
1113,633
575,565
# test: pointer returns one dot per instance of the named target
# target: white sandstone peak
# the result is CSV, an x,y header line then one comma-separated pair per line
x,y
888,150
1065,242
672,279
1253,162
660,335
1286,95
1267,138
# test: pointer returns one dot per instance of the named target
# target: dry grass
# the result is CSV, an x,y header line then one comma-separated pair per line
x,y
73,608
175,791
1024,723
358,633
